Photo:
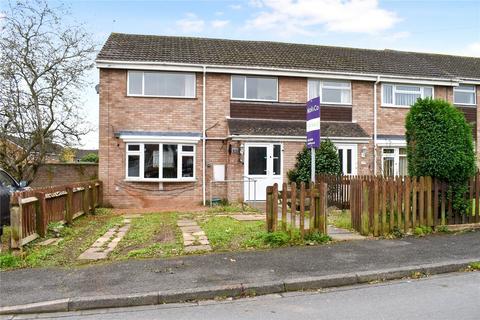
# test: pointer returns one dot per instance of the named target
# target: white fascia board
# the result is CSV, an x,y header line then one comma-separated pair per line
x,y
163,139
391,143
296,138
170,66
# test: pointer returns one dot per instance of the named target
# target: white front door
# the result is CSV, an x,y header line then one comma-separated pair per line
x,y
348,158
263,163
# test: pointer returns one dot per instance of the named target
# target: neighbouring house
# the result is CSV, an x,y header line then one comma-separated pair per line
x,y
179,112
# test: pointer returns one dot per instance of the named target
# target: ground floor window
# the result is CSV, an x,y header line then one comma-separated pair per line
x,y
394,161
160,162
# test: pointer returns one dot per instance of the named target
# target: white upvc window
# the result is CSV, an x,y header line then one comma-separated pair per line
x,y
394,161
160,162
330,91
254,88
403,95
465,94
161,84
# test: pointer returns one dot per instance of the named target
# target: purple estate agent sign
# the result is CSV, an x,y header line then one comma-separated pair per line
x,y
313,123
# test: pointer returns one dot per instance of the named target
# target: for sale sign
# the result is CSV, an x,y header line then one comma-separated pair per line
x,y
313,123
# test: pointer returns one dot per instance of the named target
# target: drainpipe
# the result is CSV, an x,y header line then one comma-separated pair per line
x,y
204,136
375,125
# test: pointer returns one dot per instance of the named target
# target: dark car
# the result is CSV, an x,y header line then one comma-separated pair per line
x,y
8,185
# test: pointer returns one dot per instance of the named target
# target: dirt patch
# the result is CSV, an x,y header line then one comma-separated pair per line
x,y
165,235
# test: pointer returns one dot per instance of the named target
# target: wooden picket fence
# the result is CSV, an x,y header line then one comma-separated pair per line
x,y
379,205
32,210
302,208
338,193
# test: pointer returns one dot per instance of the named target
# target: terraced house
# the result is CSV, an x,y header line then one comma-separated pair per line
x,y
179,112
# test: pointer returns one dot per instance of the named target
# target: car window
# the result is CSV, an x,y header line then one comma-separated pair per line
x,y
7,181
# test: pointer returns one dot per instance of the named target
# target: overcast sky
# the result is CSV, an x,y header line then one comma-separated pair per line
x,y
451,27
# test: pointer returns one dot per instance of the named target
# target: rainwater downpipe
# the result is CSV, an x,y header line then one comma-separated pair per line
x,y
204,122
375,104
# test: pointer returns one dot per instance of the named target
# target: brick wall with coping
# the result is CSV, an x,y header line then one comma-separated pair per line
x,y
57,174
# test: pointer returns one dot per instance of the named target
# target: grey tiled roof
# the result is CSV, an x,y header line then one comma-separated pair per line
x,y
254,127
129,47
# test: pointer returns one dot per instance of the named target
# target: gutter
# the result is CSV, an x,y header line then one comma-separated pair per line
x,y
375,104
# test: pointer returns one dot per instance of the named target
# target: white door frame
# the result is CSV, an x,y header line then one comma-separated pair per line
x,y
354,148
261,180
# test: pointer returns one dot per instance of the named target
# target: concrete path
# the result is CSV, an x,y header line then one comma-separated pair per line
x,y
194,238
106,243
203,271
452,296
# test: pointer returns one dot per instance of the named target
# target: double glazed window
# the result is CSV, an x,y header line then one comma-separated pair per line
x,y
161,84
403,95
160,161
464,95
254,88
394,161
330,91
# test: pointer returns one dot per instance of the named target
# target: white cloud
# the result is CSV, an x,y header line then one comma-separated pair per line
x,y
235,6
219,23
191,23
473,49
304,16
400,35
219,13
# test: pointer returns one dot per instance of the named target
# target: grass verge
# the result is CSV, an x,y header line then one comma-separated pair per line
x,y
340,219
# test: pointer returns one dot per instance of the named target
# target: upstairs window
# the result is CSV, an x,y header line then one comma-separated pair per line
x,y
330,91
161,84
254,88
403,95
464,94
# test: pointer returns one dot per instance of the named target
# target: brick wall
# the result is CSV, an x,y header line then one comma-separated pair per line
x,y
64,173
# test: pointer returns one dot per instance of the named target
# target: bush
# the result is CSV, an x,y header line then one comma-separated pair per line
x,y
326,162
440,145
91,157
421,231
276,239
317,237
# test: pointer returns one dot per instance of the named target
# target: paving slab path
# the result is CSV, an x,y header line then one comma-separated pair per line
x,y
106,243
194,238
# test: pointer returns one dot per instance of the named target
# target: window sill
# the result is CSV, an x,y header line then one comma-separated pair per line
x,y
160,180
252,100
465,105
162,97
395,106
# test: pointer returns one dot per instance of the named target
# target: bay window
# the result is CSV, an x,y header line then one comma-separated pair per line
x,y
330,91
254,88
464,95
160,162
161,84
404,95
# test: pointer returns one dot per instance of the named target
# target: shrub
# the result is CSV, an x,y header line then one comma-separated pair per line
x,y
440,144
91,157
276,239
326,162
421,231
317,237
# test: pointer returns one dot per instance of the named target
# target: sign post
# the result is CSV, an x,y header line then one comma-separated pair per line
x,y
313,130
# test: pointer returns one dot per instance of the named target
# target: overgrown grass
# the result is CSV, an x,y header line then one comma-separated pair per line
x,y
231,208
228,234
340,219
76,239
151,235
475,265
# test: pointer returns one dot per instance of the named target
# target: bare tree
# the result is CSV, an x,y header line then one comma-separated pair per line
x,y
42,73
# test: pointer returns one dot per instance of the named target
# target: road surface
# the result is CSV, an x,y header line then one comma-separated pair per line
x,y
452,296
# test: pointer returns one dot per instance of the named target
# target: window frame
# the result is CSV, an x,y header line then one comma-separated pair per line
x,y
321,81
180,155
394,91
457,89
143,95
245,88
396,159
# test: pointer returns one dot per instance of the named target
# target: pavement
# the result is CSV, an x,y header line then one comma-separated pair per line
x,y
196,277
451,296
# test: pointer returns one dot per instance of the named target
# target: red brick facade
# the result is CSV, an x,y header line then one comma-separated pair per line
x,y
119,112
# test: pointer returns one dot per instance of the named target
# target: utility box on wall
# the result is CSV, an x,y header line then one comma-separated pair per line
x,y
218,172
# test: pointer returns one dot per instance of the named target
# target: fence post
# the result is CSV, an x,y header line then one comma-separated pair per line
x,y
85,201
302,209
375,207
293,207
268,209
16,217
100,193
69,205
365,212
91,191
322,210
41,214
284,207
275,206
